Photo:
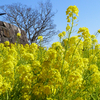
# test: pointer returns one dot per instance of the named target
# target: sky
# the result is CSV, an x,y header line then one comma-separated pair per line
x,y
89,14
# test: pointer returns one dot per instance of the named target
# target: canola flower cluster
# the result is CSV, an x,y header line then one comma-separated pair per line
x,y
59,73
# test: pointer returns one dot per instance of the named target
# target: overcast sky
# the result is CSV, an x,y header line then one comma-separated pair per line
x,y
89,14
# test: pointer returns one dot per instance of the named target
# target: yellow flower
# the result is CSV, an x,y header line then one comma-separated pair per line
x,y
70,8
28,56
64,33
47,90
33,46
95,41
93,36
60,35
70,14
97,47
99,30
67,17
52,53
74,17
93,67
68,27
92,59
68,20
73,9
79,35
18,34
6,43
40,37
56,44
67,12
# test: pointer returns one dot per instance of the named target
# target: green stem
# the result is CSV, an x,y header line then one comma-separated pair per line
x,y
66,47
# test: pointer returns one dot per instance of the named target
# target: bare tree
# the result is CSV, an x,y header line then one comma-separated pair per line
x,y
35,22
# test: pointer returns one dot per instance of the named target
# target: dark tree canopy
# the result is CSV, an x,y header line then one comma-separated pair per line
x,y
35,22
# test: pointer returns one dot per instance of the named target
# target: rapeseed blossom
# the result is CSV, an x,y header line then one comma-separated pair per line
x,y
40,38
73,9
64,73
18,34
68,20
68,27
99,30
64,33
74,17
60,35
93,36
6,43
